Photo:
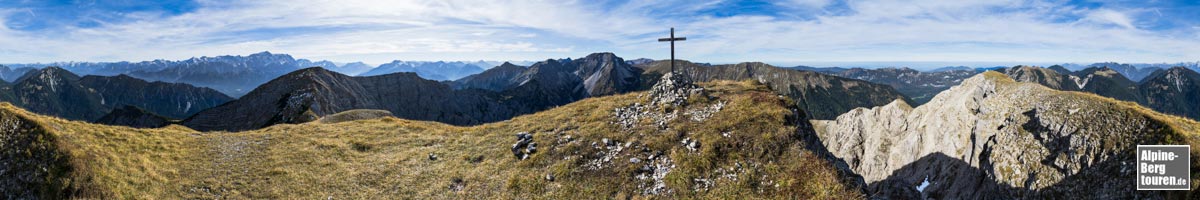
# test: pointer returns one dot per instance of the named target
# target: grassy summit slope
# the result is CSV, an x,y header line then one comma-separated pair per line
x,y
734,141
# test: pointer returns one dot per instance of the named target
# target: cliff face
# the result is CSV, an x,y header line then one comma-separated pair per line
x,y
1000,139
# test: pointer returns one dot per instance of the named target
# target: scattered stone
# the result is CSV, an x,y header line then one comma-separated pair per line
x,y
532,148
549,177
457,184
691,144
634,160
524,146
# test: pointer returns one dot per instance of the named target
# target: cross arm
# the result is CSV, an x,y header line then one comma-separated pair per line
x,y
672,39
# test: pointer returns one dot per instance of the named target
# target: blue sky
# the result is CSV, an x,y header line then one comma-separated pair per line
x,y
811,32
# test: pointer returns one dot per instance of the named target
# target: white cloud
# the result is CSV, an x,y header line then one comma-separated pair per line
x,y
872,30
1107,16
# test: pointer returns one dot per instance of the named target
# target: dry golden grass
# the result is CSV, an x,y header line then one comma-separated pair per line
x,y
389,157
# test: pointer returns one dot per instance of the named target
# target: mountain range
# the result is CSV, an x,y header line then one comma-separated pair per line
x,y
1133,71
11,74
597,125
819,96
920,86
1172,83
237,75
57,92
311,93
1172,91
439,70
736,131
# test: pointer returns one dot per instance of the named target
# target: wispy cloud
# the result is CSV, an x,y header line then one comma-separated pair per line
x,y
718,31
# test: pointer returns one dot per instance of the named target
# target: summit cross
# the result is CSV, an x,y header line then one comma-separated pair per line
x,y
672,39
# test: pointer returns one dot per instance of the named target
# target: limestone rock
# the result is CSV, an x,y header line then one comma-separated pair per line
x,y
996,138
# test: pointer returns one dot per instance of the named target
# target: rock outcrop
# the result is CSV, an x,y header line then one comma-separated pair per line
x,y
1000,139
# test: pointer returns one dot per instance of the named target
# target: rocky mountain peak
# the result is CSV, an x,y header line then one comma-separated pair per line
x,y
311,71
51,78
606,56
48,75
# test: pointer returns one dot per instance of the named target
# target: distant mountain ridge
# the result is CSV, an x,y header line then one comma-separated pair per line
x,y
435,70
11,74
237,75
827,70
921,86
353,69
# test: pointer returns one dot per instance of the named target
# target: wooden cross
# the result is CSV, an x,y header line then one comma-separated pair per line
x,y
672,39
